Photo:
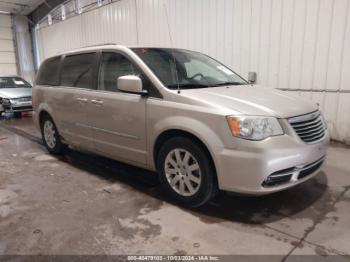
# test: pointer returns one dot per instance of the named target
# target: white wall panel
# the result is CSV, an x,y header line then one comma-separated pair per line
x,y
6,45
5,32
7,58
113,23
8,69
5,20
7,50
310,41
291,44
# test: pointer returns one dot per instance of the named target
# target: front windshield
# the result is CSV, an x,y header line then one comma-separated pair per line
x,y
13,82
187,69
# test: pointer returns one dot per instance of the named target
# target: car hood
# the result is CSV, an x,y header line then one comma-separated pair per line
x,y
15,92
253,100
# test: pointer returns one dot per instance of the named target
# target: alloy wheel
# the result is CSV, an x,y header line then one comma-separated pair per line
x,y
49,134
183,172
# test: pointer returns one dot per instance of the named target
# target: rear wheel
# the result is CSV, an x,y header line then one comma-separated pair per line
x,y
186,171
51,136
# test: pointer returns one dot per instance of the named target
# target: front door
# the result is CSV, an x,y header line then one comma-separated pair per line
x,y
119,119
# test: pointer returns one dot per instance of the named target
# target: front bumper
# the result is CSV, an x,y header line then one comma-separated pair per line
x,y
17,107
246,169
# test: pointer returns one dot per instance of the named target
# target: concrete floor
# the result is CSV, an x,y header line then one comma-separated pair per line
x,y
84,204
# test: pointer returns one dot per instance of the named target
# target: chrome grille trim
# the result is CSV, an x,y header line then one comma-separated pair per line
x,y
310,127
302,128
319,128
304,123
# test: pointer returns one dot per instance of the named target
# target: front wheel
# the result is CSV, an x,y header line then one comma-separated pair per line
x,y
186,171
51,137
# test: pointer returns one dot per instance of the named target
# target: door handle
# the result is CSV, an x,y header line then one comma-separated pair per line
x,y
97,102
82,99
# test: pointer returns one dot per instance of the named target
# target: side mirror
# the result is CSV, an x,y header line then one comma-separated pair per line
x,y
251,77
130,84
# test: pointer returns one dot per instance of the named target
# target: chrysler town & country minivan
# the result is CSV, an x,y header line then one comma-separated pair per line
x,y
196,122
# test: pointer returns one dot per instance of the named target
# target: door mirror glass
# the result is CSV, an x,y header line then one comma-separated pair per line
x,y
131,84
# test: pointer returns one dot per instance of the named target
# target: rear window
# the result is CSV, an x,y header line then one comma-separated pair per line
x,y
13,82
77,70
49,72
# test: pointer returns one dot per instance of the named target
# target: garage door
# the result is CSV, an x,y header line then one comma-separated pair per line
x,y
7,50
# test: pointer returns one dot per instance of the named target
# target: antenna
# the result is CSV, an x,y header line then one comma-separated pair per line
x,y
172,47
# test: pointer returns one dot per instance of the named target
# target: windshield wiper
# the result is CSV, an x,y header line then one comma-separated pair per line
x,y
229,84
187,86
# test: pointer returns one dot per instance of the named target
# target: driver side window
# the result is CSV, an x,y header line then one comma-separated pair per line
x,y
114,65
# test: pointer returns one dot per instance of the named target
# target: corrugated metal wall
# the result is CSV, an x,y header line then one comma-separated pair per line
x,y
7,49
291,44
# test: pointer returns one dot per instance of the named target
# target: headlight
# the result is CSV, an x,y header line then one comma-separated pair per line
x,y
254,127
6,101
14,100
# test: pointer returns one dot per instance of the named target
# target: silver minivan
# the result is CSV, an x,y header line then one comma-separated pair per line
x,y
196,122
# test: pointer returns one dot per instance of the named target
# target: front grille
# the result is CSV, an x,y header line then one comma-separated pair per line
x,y
24,99
18,108
310,128
22,108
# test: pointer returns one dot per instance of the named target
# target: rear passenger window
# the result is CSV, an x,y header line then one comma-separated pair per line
x,y
49,72
77,70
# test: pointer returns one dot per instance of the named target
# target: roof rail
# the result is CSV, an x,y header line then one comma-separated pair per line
x,y
98,45
62,52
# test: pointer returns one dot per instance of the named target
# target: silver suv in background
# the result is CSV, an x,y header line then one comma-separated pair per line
x,y
15,95
183,114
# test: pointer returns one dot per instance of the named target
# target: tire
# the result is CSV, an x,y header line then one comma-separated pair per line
x,y
198,184
17,114
51,137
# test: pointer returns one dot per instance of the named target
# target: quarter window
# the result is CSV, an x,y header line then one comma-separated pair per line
x,y
77,70
49,72
114,65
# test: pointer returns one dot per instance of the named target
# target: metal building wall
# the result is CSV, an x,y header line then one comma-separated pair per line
x,y
7,50
298,45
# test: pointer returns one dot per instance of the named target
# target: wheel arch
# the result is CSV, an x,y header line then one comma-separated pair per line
x,y
42,114
170,133
43,109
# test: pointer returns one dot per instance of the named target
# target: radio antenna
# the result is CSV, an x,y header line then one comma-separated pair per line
x,y
172,47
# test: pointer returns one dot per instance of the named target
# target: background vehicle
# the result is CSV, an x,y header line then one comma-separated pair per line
x,y
182,113
15,95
